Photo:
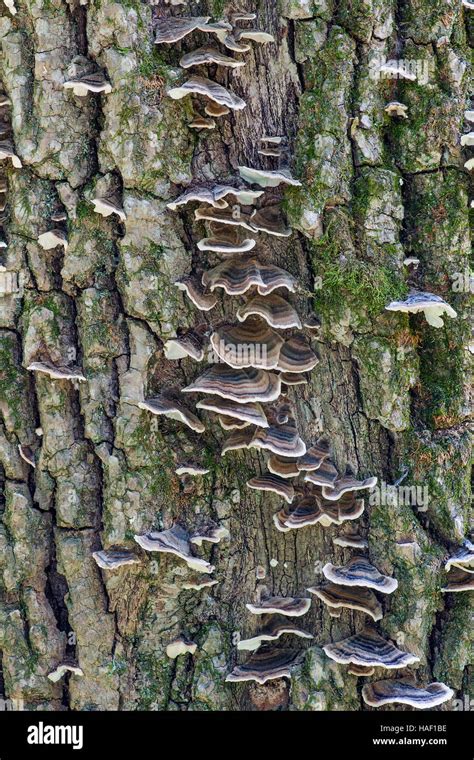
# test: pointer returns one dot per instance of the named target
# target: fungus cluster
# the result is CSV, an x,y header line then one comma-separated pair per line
x,y
258,356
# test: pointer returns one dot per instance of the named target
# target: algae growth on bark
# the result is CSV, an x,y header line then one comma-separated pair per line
x,y
236,355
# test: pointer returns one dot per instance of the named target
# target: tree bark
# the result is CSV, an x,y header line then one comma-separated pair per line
x,y
390,392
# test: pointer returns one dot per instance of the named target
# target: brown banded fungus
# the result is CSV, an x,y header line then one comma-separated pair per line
x,y
276,626
240,385
360,599
346,485
110,559
403,692
205,55
57,372
273,484
246,414
283,605
95,82
276,312
161,405
195,292
325,475
360,572
296,356
368,648
171,29
174,541
266,664
267,177
314,456
190,344
285,468
236,276
209,89
432,306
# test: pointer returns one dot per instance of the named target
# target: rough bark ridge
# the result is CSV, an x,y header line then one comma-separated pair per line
x,y
390,392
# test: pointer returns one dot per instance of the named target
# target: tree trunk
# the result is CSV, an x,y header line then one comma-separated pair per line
x,y
390,391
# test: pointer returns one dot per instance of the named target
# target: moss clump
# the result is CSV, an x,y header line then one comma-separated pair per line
x,y
351,281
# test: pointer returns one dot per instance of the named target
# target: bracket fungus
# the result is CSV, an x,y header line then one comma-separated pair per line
x,y
463,558
267,177
296,356
189,344
283,605
307,511
432,306
195,292
273,484
459,580
160,405
226,244
394,108
360,671
360,599
276,626
52,239
350,542
345,485
236,276
205,55
232,423
241,385
467,139
212,90
57,372
269,219
285,468
200,122
234,217
181,645
314,456
283,440
198,584
325,475
174,28
293,378
238,439
62,669
110,559
27,455
248,414
254,35
213,534
109,205
251,344
174,541
265,665
276,312
360,572
368,648
7,151
191,468
215,110
81,86
215,196
403,692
